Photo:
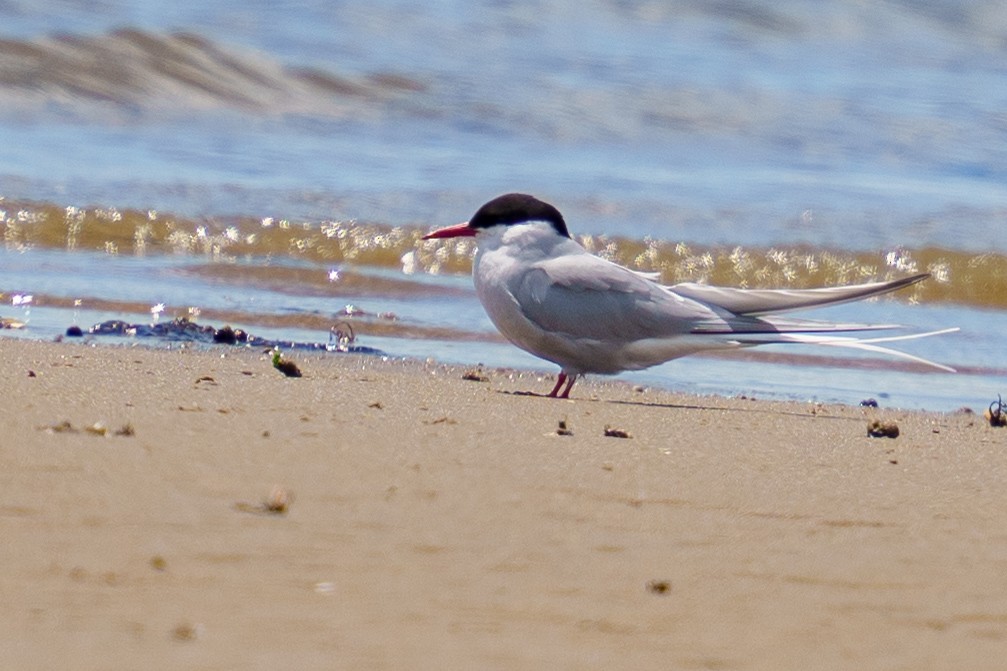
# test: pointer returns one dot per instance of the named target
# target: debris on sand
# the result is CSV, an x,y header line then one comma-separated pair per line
x,y
285,366
878,429
229,336
126,430
278,503
995,414
661,587
563,429
187,632
612,432
58,427
97,429
475,375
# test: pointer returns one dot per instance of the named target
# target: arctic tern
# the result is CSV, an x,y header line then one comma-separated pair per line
x,y
551,297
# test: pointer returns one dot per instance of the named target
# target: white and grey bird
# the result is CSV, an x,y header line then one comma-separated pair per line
x,y
551,297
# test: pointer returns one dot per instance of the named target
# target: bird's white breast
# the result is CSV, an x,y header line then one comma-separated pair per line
x,y
503,258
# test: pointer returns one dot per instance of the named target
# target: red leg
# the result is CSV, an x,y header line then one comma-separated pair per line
x,y
568,387
559,383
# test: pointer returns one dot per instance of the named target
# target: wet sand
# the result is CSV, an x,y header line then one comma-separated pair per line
x,y
435,522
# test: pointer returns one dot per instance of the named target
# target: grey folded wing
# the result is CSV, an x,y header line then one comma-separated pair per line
x,y
588,297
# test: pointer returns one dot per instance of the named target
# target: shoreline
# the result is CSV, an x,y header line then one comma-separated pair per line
x,y
893,382
436,522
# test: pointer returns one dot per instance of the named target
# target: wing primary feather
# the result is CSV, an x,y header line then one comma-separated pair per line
x,y
755,302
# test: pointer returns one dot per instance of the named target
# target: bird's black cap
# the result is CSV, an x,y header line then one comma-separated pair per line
x,y
517,208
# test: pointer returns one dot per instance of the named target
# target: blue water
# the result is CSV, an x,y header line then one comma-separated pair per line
x,y
842,125
874,117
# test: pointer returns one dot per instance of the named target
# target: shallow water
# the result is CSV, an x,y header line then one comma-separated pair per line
x,y
270,166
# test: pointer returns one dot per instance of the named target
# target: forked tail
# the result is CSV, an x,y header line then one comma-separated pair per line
x,y
865,344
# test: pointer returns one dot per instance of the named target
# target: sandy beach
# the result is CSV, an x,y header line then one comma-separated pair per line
x,y
197,509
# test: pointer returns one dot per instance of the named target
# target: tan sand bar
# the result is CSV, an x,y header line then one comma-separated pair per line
x,y
388,515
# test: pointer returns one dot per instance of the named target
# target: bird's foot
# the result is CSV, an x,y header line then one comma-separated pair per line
x,y
562,379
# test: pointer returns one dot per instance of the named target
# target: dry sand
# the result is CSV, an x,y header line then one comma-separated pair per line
x,y
440,523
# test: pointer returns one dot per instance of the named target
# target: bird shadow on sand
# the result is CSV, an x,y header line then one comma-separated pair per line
x,y
677,406
760,409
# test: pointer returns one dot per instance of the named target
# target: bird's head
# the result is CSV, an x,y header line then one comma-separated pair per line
x,y
507,210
